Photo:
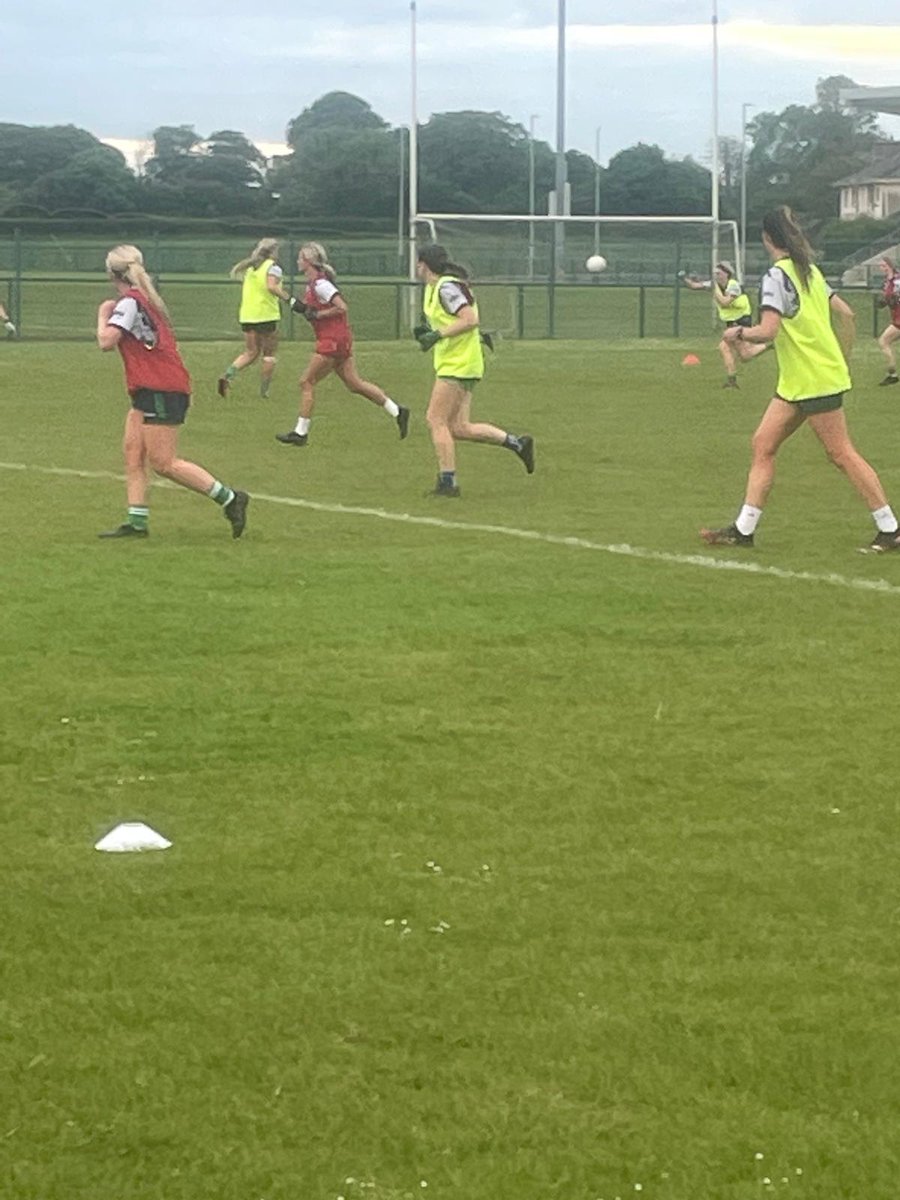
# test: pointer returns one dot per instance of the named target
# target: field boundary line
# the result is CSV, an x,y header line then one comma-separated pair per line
x,y
623,549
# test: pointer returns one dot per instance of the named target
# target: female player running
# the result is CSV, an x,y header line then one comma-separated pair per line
x,y
796,311
734,309
137,324
326,310
890,299
259,313
450,328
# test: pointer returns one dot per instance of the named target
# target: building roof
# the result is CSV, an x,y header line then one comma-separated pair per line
x,y
882,165
866,99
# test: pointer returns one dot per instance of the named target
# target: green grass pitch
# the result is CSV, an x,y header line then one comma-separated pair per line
x,y
503,868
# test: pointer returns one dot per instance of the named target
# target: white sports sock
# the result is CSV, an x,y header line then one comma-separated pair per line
x,y
302,425
884,519
748,518
391,407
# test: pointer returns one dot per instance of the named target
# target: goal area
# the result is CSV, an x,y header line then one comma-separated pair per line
x,y
533,280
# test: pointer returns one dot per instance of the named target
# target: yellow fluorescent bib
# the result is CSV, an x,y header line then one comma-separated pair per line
x,y
461,355
810,361
739,307
257,302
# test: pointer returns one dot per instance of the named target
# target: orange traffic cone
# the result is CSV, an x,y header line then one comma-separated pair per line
x,y
690,360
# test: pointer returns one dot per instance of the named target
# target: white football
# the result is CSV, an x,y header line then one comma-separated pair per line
x,y
596,263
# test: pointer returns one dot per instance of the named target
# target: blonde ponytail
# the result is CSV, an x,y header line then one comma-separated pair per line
x,y
127,263
316,255
264,248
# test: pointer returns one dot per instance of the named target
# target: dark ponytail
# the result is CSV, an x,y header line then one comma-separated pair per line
x,y
784,233
436,260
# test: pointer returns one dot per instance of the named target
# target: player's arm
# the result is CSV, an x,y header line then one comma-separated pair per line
x,y
336,305
273,283
108,336
764,331
843,319
466,319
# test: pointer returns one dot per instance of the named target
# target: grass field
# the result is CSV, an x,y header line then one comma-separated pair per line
x,y
504,867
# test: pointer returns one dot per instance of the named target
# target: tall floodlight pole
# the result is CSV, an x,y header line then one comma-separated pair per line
x,y
743,265
531,122
597,188
714,210
561,172
401,190
413,159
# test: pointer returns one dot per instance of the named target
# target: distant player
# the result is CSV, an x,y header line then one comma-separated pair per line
x,y
890,299
451,330
7,323
137,324
796,311
261,289
326,310
734,309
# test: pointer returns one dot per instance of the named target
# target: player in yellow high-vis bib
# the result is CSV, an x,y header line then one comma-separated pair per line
x,y
261,289
451,329
733,305
796,311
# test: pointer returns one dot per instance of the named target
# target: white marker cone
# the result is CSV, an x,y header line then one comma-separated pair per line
x,y
132,835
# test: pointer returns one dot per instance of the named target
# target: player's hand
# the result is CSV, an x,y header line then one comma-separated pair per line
x,y
296,305
310,314
488,340
427,340
421,329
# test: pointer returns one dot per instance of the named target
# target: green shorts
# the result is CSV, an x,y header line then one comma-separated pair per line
x,y
817,404
467,385
161,408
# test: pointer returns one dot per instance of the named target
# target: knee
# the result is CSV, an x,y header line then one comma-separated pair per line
x,y
840,456
161,464
761,448
269,360
459,431
436,423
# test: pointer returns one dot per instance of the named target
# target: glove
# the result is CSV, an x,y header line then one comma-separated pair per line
x,y
421,329
296,305
428,339
487,339
10,328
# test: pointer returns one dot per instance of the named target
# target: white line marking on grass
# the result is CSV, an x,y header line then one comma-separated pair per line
x,y
703,561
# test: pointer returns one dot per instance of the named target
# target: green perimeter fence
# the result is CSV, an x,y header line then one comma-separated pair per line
x,y
52,285
63,307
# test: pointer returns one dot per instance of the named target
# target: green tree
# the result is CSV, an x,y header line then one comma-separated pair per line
x,y
478,162
333,113
96,179
641,181
29,151
799,153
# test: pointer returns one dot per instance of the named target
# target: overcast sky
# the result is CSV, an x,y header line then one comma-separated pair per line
x,y
640,70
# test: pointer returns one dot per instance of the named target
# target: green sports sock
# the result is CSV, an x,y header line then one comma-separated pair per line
x,y
221,493
230,372
138,516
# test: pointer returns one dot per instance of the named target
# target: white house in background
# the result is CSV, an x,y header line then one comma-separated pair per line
x,y
873,191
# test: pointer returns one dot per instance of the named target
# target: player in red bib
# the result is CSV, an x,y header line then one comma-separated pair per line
x,y
326,310
137,324
890,299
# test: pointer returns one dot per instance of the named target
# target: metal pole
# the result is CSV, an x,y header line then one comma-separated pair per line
x,y
531,121
413,161
714,211
742,268
557,245
561,168
597,188
401,188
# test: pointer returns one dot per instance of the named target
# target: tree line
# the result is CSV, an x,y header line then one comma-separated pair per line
x,y
344,160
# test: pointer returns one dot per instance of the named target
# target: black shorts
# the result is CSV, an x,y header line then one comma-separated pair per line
x,y
161,408
745,321
259,326
816,404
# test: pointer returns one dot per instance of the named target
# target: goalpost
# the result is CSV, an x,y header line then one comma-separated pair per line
x,y
519,249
